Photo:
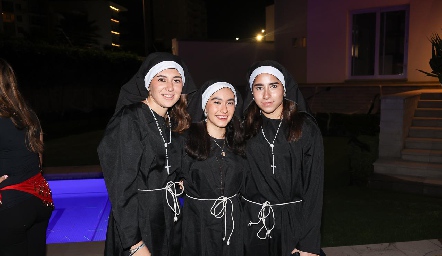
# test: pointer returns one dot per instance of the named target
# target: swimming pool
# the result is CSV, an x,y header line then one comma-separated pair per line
x,y
81,211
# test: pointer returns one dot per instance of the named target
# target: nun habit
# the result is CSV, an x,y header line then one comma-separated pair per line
x,y
212,206
282,197
132,155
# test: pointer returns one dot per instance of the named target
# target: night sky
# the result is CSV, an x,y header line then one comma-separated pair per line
x,y
227,19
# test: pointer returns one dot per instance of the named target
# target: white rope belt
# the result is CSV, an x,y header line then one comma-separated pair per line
x,y
219,210
266,210
170,189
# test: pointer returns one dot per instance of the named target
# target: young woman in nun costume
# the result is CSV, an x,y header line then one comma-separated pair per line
x,y
140,154
213,173
283,190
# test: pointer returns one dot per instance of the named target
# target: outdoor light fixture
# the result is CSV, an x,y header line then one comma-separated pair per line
x,y
259,37
115,32
114,20
114,8
237,38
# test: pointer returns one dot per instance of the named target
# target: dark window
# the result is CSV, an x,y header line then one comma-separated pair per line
x,y
379,43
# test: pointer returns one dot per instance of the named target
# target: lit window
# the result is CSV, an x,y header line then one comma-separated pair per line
x,y
8,17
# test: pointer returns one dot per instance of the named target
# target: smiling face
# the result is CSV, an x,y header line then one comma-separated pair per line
x,y
165,90
220,109
268,93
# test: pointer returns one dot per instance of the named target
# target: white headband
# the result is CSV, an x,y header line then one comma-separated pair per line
x,y
214,88
268,70
160,67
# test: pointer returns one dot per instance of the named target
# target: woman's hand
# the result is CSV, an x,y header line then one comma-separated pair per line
x,y
181,183
2,178
301,253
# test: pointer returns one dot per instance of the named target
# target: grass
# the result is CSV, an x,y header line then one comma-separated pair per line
x,y
352,214
358,215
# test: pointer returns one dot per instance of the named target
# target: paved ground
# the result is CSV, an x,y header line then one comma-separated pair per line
x,y
414,248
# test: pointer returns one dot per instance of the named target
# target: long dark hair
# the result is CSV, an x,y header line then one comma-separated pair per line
x,y
13,106
198,139
290,116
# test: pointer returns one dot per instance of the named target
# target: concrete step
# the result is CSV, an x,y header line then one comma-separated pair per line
x,y
425,132
397,166
431,96
430,104
422,155
407,176
427,121
423,143
428,112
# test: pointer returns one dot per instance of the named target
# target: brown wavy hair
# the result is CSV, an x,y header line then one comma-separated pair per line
x,y
290,116
179,115
13,106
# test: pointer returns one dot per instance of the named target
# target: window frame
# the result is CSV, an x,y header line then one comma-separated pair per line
x,y
378,12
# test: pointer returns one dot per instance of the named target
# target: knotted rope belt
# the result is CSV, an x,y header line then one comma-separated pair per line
x,y
36,185
266,210
219,210
170,189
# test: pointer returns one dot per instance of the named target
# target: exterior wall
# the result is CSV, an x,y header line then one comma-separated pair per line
x,y
326,27
396,116
291,23
425,19
351,99
187,19
228,61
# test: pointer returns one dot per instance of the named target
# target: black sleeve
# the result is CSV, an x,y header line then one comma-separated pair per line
x,y
120,153
313,175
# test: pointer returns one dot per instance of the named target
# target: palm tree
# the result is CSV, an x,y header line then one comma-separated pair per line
x,y
436,58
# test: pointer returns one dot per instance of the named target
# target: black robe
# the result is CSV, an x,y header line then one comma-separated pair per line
x,y
132,156
298,176
210,179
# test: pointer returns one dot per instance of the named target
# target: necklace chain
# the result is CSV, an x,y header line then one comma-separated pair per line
x,y
167,167
272,145
223,153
